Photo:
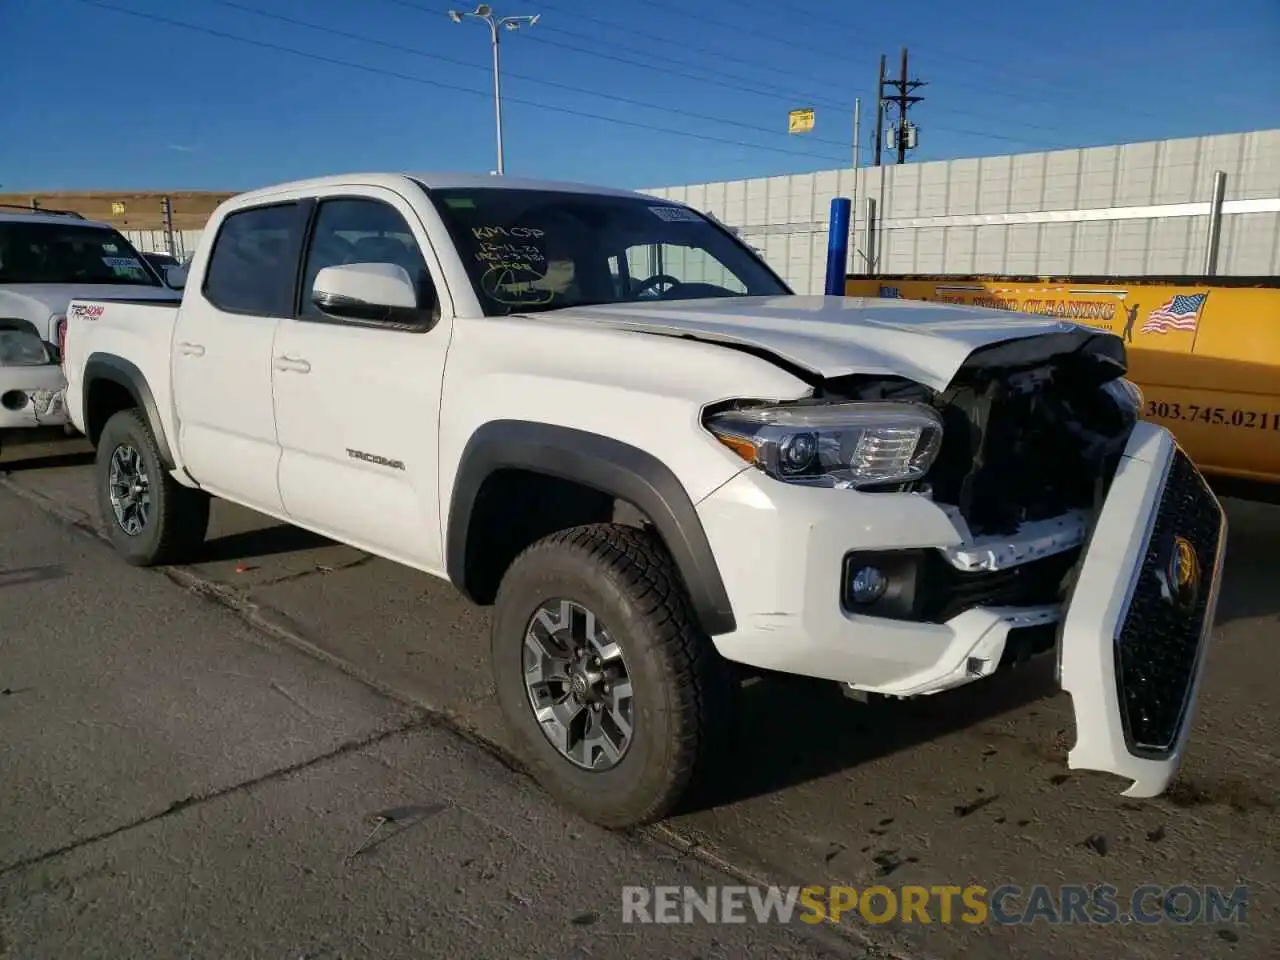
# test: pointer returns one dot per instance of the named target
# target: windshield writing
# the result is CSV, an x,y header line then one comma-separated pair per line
x,y
535,249
66,253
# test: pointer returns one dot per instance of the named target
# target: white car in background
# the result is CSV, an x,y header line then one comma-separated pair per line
x,y
47,259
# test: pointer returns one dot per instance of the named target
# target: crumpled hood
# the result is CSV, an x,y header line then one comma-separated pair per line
x,y
36,302
831,336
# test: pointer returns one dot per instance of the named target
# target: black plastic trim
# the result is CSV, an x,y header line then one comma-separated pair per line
x,y
604,464
107,366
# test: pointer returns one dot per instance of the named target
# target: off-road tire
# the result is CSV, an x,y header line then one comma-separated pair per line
x,y
179,516
684,692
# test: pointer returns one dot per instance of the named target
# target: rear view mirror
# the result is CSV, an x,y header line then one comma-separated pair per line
x,y
175,277
375,293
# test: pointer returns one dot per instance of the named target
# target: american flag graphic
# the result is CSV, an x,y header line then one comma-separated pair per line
x,y
1180,313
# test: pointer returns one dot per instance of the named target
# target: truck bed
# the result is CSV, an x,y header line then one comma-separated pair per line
x,y
139,330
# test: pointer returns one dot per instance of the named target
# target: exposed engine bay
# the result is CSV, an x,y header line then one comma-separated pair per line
x,y
1033,428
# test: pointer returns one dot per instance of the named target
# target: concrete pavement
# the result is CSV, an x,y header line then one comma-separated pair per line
x,y
176,784
960,788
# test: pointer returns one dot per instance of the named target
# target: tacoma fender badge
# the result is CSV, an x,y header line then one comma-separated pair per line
x,y
374,458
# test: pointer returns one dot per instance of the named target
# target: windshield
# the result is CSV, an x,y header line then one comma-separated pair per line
x,y
68,253
528,250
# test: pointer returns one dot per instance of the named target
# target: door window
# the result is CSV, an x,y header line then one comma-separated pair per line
x,y
254,261
362,230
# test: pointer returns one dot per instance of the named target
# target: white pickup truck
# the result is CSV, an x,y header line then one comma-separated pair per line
x,y
603,414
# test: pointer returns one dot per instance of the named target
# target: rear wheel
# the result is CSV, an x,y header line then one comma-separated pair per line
x,y
618,699
149,517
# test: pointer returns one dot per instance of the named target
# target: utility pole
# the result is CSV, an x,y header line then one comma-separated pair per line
x,y
903,100
880,111
857,132
166,210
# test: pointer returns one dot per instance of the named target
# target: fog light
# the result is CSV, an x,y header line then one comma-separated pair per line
x,y
867,585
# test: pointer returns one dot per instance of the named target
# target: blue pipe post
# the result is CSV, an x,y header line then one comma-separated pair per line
x,y
838,246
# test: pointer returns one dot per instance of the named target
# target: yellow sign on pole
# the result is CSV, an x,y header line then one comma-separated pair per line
x,y
800,121
117,208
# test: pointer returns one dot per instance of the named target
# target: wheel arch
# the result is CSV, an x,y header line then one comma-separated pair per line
x,y
608,467
108,379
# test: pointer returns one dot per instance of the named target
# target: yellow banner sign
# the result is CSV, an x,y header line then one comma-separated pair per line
x,y
800,121
117,208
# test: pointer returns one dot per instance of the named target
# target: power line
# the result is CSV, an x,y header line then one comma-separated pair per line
x,y
845,108
669,41
347,35
948,55
440,84
757,89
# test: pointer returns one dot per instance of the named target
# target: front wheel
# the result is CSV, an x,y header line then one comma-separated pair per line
x,y
149,517
619,701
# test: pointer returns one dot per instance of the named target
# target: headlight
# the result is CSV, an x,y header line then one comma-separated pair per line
x,y
1126,394
836,444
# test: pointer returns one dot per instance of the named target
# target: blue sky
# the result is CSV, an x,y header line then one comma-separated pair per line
x,y
100,99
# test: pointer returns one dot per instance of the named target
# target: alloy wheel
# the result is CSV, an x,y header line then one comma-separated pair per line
x,y
129,489
578,685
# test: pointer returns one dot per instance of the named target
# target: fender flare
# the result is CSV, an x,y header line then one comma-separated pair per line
x,y
117,370
609,466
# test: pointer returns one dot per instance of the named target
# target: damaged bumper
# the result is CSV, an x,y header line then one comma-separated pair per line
x,y
1131,649
32,396
958,607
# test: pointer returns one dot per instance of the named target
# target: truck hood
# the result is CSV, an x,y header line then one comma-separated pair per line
x,y
832,336
36,302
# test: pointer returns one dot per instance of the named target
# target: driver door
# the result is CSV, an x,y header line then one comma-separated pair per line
x,y
358,404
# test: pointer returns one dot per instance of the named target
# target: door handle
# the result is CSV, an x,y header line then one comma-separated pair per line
x,y
191,349
292,363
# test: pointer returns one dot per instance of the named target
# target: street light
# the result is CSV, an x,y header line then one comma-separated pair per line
x,y
485,12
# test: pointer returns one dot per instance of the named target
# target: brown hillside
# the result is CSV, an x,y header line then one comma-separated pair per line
x,y
142,211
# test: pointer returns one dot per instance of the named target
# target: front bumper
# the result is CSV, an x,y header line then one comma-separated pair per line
x,y
32,397
781,550
1131,650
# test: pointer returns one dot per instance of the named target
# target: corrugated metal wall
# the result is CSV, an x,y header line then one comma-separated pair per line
x,y
1139,208
148,241
1134,209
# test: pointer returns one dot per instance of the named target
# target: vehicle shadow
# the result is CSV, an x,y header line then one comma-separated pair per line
x,y
841,734
28,575
16,463
261,542
1251,574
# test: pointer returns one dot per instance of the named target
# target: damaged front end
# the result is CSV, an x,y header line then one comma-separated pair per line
x,y
1091,522
31,380
1033,432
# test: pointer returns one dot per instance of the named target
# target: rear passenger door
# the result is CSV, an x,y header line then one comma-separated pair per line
x,y
221,357
358,404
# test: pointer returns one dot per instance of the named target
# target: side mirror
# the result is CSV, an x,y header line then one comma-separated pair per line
x,y
375,293
175,277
